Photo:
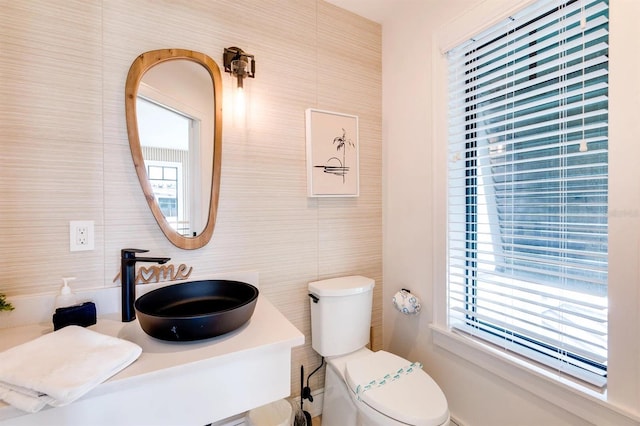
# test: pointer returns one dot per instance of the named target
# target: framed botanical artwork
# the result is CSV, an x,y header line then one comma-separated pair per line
x,y
333,164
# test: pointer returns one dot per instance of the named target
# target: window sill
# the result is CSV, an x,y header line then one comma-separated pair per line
x,y
566,394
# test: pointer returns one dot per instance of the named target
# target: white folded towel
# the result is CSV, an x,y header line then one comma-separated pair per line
x,y
60,367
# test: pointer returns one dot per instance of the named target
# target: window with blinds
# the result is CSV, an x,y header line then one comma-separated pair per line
x,y
527,187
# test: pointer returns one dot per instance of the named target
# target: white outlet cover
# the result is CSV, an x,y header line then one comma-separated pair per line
x,y
74,226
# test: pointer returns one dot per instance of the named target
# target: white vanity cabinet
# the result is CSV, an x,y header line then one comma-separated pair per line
x,y
186,383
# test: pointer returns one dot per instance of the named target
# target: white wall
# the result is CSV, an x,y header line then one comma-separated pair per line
x,y
414,235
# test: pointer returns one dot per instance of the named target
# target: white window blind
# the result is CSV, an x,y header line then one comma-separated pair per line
x,y
527,187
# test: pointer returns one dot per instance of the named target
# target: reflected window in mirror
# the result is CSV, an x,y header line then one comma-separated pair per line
x,y
166,181
167,137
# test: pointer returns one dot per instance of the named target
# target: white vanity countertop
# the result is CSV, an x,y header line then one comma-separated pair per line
x,y
266,332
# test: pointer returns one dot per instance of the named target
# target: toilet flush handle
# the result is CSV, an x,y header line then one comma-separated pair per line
x,y
313,297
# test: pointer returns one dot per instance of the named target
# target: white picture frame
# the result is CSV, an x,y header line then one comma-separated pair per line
x,y
333,154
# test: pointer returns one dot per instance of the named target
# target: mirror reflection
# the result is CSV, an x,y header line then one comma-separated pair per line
x,y
175,121
173,101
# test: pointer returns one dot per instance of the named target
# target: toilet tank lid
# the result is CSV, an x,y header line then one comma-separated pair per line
x,y
342,286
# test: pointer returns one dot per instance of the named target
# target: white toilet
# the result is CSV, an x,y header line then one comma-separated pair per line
x,y
363,387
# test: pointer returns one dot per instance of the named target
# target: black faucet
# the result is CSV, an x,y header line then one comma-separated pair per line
x,y
128,279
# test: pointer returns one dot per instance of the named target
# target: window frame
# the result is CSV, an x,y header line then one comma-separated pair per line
x,y
474,174
618,404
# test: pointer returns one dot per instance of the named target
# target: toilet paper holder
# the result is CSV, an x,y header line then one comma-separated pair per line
x,y
406,302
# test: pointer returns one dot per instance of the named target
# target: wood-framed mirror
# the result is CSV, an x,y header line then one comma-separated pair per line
x,y
173,101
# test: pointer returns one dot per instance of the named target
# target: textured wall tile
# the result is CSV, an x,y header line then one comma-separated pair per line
x,y
65,155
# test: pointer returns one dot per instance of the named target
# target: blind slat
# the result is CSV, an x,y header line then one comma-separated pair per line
x,y
543,122
515,70
559,361
484,43
597,313
523,326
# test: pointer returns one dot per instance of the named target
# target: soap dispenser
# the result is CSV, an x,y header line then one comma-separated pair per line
x,y
66,297
69,310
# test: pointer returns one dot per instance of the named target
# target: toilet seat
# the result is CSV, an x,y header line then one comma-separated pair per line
x,y
408,394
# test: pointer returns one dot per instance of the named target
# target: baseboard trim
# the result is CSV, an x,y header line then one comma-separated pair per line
x,y
456,422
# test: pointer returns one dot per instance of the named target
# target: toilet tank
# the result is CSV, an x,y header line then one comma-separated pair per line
x,y
340,314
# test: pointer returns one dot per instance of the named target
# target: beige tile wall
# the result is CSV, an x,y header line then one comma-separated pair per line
x,y
64,153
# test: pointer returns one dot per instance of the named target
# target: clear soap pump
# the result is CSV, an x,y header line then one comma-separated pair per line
x,y
66,297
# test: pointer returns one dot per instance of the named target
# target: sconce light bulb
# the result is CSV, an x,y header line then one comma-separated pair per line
x,y
239,67
239,105
239,70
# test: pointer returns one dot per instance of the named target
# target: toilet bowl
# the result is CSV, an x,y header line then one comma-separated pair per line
x,y
412,399
364,387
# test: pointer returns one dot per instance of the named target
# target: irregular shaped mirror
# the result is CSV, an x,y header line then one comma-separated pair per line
x,y
173,100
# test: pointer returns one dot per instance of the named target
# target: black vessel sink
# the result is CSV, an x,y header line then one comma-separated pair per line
x,y
196,310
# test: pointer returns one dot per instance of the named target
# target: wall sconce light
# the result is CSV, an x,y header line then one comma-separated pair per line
x,y
240,65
